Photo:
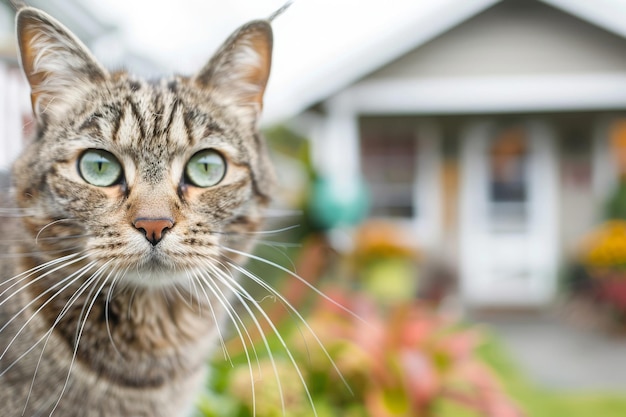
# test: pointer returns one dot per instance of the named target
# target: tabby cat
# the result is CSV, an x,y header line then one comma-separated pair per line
x,y
133,206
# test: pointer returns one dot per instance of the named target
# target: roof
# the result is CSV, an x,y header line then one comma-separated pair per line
x,y
410,32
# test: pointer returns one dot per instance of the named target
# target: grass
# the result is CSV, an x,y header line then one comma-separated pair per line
x,y
541,402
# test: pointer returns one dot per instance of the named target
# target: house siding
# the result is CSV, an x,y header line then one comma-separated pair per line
x,y
513,38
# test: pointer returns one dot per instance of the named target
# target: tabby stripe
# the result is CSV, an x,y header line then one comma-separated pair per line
x,y
137,115
173,86
92,122
170,119
117,122
188,128
212,128
159,111
255,185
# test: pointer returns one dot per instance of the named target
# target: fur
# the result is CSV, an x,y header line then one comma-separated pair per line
x,y
95,319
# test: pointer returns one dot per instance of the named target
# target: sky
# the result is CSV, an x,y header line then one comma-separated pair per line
x,y
315,41
310,39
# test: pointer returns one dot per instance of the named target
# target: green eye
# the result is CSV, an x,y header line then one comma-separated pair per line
x,y
205,169
99,168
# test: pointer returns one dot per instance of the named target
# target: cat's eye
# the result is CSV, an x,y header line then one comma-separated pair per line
x,y
99,168
205,169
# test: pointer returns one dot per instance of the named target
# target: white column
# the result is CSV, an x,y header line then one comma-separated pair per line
x,y
428,187
4,131
340,143
603,164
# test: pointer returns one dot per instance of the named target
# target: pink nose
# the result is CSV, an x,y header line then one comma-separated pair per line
x,y
153,229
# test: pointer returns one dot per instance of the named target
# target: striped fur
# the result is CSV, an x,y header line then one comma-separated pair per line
x,y
144,324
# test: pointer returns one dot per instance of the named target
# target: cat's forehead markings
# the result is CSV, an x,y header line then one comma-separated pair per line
x,y
178,129
129,129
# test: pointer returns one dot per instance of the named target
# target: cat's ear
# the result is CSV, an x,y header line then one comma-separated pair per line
x,y
239,71
59,67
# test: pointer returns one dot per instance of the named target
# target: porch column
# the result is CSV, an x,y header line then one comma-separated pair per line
x,y
339,150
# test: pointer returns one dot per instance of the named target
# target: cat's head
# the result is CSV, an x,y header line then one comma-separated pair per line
x,y
153,177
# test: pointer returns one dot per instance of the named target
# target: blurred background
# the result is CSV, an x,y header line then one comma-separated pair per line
x,y
455,174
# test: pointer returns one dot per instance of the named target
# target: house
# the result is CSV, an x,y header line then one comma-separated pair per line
x,y
16,123
494,130
15,111
495,134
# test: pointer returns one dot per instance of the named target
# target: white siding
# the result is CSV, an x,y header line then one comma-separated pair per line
x,y
15,113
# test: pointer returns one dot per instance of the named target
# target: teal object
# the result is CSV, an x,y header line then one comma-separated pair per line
x,y
337,202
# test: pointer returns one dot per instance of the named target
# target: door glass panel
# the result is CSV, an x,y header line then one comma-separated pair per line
x,y
389,163
508,180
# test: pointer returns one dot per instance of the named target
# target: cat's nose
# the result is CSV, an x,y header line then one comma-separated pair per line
x,y
153,229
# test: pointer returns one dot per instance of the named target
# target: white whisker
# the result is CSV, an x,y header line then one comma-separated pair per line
x,y
82,328
296,276
34,270
16,212
225,281
106,307
237,322
214,315
48,225
291,308
72,279
61,314
39,252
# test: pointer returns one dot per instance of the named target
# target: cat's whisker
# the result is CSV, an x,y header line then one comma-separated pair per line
x,y
245,234
41,252
196,275
73,278
296,276
225,279
61,314
82,328
274,231
52,223
281,213
48,238
175,288
275,244
11,212
36,269
193,288
99,272
282,252
20,278
232,283
224,299
238,324
107,302
294,311
132,298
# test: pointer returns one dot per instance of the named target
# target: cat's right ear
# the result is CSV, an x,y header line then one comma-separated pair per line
x,y
58,66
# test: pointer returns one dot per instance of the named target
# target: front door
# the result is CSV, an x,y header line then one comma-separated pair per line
x,y
508,223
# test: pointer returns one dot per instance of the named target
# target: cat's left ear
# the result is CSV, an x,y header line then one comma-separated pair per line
x,y
59,67
239,71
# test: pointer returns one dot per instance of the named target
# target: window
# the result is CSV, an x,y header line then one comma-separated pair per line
x,y
508,184
389,164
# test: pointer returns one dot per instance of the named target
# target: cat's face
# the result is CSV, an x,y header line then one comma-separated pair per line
x,y
156,179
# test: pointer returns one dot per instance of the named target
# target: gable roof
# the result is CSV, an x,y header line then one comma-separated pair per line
x,y
409,34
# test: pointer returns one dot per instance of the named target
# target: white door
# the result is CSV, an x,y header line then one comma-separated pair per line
x,y
508,223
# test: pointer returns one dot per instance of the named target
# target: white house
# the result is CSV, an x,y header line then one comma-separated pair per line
x,y
15,110
494,129
492,132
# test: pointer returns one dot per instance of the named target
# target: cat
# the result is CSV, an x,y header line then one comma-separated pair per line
x,y
134,205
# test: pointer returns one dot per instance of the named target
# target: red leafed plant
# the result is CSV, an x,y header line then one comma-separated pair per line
x,y
404,360
389,359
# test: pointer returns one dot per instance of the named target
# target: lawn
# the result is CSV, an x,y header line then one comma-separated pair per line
x,y
541,402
